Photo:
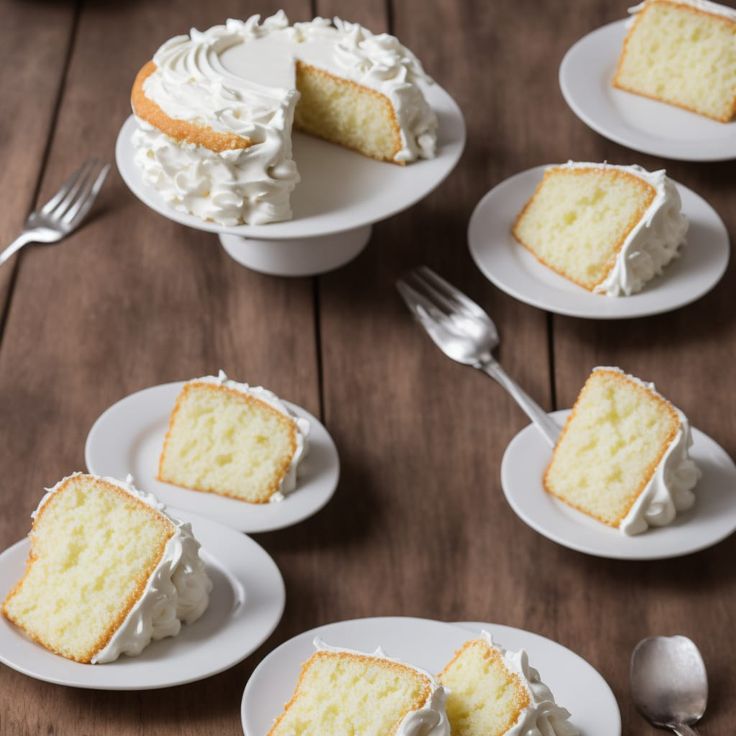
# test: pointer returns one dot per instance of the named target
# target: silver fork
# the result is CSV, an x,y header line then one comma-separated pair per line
x,y
465,333
64,212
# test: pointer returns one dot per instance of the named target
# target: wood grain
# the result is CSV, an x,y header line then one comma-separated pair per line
x,y
419,525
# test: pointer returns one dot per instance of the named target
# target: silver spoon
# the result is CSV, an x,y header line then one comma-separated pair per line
x,y
669,684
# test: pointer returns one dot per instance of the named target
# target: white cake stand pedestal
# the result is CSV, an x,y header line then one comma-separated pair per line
x,y
340,196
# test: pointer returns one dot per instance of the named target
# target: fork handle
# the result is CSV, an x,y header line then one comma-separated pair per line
x,y
682,729
542,421
15,246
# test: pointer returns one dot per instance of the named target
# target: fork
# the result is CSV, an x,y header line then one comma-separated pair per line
x,y
64,212
465,333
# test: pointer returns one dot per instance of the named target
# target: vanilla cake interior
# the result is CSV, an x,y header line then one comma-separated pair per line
x,y
93,548
578,219
683,55
223,441
346,693
485,698
611,445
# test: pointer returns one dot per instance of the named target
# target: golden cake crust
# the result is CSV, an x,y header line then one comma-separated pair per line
x,y
397,666
252,400
181,131
690,9
620,378
303,68
132,599
638,215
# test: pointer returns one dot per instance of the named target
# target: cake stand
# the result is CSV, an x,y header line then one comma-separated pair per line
x,y
340,195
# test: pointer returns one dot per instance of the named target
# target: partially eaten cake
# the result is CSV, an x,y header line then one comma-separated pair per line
x,y
215,110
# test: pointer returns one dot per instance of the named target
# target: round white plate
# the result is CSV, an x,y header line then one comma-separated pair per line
x,y
645,125
712,518
246,603
339,189
423,643
513,269
128,437
576,685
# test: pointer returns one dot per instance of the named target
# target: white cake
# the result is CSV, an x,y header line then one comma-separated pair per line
x,y
215,110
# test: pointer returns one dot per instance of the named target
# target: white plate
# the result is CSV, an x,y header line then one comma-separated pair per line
x,y
645,125
712,518
429,645
128,437
513,269
576,684
246,603
339,189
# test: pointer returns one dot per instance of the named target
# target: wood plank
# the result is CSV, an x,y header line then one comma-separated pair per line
x,y
130,301
30,83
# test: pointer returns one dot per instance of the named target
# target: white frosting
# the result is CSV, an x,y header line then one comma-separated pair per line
x,y
671,487
653,242
542,717
239,78
430,719
289,481
703,5
177,590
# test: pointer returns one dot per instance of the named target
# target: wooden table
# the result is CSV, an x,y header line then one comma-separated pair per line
x,y
419,525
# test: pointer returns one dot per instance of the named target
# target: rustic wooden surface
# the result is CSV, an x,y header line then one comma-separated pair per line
x,y
419,525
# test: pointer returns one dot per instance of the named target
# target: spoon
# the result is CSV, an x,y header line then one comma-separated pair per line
x,y
669,684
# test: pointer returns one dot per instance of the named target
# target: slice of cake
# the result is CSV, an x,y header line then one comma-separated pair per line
x,y
682,52
341,691
234,440
107,572
622,456
494,692
607,228
215,110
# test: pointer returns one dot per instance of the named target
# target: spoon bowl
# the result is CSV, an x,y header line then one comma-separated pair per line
x,y
669,684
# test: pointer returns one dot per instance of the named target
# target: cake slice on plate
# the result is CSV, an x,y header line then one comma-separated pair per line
x,y
233,440
607,228
107,572
341,691
682,52
622,457
494,692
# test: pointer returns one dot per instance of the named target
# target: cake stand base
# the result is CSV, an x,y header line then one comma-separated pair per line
x,y
298,256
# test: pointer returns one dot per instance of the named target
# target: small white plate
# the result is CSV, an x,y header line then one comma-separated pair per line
x,y
575,683
339,189
513,269
246,604
712,518
429,645
128,437
645,125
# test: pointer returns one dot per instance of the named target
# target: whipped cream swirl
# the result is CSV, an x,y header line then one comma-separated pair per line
x,y
289,481
177,590
428,720
670,489
542,717
653,242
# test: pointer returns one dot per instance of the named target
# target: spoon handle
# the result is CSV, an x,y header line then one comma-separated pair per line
x,y
681,729
544,423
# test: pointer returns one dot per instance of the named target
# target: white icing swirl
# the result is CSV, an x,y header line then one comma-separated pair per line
x,y
254,96
653,242
542,717
177,590
289,481
670,489
704,6
430,719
